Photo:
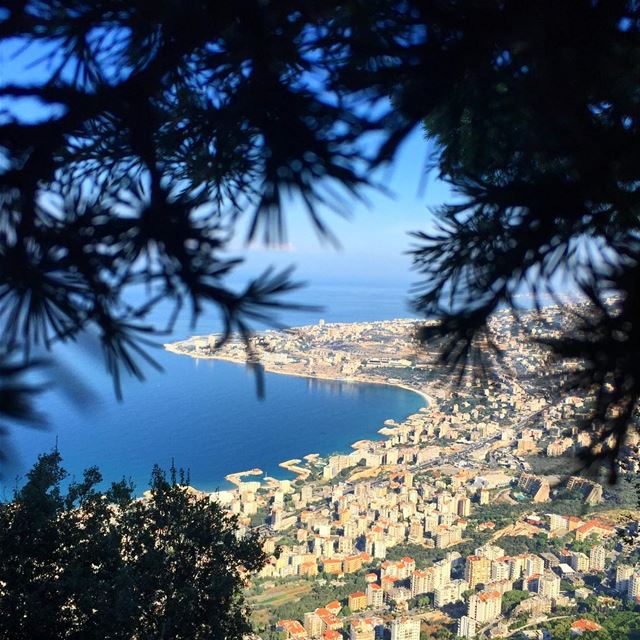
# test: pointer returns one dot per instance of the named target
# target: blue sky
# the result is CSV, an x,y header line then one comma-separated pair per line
x,y
374,239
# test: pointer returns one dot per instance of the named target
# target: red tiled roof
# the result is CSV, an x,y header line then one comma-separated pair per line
x,y
292,627
585,625
594,524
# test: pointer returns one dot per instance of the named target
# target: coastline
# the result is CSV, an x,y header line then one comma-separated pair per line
x,y
235,478
429,400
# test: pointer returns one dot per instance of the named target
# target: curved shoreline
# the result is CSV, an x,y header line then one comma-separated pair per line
x,y
430,401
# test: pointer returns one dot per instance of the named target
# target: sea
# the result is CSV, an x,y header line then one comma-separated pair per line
x,y
206,416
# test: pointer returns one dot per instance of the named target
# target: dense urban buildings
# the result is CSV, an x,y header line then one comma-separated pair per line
x,y
470,515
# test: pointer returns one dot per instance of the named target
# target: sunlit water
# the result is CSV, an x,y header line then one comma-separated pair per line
x,y
206,415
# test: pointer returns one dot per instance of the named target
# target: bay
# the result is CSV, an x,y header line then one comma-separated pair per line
x,y
206,416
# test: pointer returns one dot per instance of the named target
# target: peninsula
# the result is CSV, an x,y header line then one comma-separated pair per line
x,y
382,352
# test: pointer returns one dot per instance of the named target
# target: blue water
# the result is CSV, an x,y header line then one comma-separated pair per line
x,y
206,414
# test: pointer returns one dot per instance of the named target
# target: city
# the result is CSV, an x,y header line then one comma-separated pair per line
x,y
290,180
471,518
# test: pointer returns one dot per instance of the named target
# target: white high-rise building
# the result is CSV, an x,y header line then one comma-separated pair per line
x,y
623,573
500,570
597,558
313,624
533,564
441,573
375,595
361,630
467,627
379,549
485,606
464,506
451,592
405,628
490,551
579,561
557,522
633,590
421,581
549,585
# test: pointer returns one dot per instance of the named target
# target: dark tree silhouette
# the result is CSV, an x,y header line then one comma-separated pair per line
x,y
78,562
162,123
168,121
538,133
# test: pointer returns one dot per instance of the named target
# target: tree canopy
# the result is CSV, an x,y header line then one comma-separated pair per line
x,y
166,122
78,562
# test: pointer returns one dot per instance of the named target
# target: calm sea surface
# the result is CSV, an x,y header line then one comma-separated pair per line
x,y
206,415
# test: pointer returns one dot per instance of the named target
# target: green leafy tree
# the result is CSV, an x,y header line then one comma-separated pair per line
x,y
584,546
443,633
423,556
511,599
567,587
538,543
467,593
81,563
423,602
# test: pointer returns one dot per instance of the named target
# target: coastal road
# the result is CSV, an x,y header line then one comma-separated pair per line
x,y
479,444
460,455
484,632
